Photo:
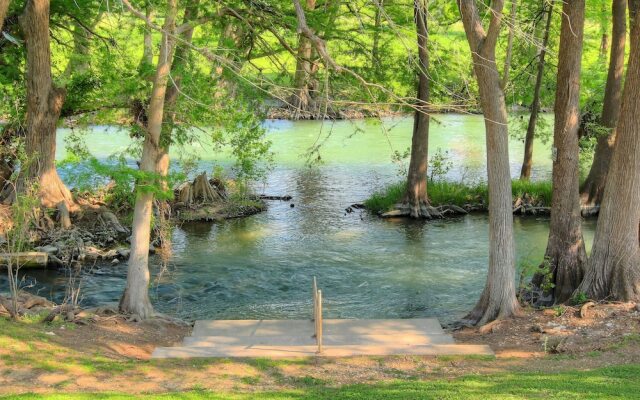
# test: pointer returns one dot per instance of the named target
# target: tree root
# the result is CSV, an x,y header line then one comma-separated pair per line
x,y
200,191
424,211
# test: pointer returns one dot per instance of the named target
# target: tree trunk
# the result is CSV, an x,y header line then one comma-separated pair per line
x,y
593,187
527,163
613,271
78,61
507,58
416,195
180,61
147,53
44,103
375,49
4,7
135,299
565,249
302,99
235,46
498,300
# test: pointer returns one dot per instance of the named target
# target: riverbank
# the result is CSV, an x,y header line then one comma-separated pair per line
x,y
529,197
108,354
99,228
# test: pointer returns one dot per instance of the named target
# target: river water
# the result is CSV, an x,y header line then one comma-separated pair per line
x,y
261,266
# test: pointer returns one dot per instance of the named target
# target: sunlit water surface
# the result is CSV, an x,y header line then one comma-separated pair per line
x,y
261,266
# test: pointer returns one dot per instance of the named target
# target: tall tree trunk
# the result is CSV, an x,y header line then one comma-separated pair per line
x,y
507,58
613,271
4,7
147,53
498,300
44,103
565,249
235,44
416,195
78,62
375,49
180,62
527,163
593,187
135,299
302,99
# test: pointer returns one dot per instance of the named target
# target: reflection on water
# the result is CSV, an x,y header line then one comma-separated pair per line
x,y
261,266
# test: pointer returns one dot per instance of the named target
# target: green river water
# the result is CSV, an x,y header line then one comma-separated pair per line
x,y
261,266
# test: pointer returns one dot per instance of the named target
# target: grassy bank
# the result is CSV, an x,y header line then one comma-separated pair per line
x,y
460,194
109,360
617,382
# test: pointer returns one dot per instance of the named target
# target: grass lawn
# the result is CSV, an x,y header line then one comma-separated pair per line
x,y
617,382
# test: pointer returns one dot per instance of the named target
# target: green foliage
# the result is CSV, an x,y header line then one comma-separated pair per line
x,y
519,123
579,298
439,165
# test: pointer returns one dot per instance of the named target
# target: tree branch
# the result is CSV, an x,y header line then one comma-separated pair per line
x,y
318,43
493,32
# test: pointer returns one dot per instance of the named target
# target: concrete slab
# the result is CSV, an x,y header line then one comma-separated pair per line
x,y
328,340
310,351
342,338
306,328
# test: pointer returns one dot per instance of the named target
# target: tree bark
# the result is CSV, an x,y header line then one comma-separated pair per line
x,y
302,99
135,299
180,61
498,300
507,58
416,195
44,103
613,271
527,162
147,53
4,7
565,252
593,187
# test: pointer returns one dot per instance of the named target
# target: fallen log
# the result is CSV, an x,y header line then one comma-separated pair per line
x,y
27,259
284,198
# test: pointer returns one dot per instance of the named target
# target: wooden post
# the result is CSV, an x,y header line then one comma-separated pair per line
x,y
315,295
319,322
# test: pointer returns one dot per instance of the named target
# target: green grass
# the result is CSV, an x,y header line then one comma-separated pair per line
x,y
619,382
459,194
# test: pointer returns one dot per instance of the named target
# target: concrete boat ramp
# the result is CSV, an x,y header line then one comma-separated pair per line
x,y
338,338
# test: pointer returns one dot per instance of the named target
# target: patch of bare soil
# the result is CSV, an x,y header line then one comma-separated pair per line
x,y
116,338
559,330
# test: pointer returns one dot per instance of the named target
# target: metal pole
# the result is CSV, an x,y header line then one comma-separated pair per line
x,y
319,322
315,294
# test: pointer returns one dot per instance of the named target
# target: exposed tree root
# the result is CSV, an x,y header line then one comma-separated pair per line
x,y
423,211
200,191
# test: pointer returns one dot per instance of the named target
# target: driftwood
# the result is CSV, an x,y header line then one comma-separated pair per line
x,y
283,198
27,259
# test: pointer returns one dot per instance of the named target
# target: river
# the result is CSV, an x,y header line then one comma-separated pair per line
x,y
261,266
